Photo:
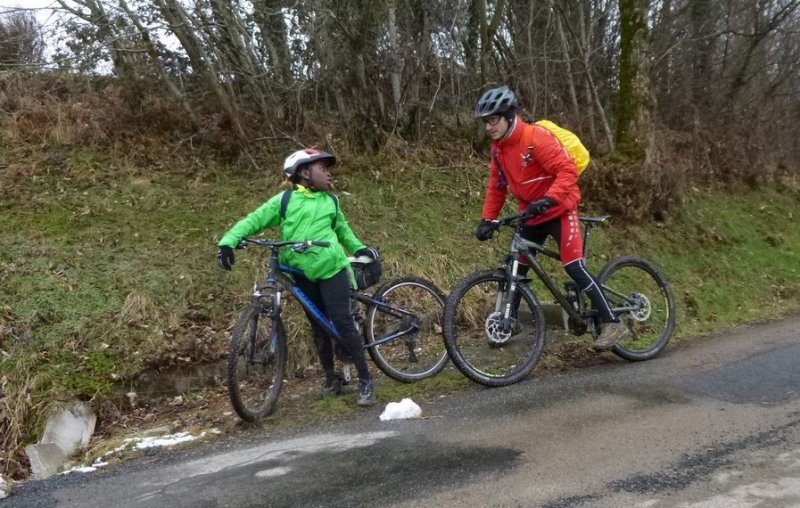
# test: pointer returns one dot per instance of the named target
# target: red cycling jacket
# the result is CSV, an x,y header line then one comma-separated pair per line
x,y
532,163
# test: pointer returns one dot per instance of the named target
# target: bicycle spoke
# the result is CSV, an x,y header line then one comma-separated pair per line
x,y
484,346
405,333
255,365
636,289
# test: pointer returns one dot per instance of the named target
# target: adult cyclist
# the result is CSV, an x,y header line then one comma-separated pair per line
x,y
531,163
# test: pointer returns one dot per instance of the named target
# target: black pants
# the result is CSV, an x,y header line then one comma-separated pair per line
x,y
332,297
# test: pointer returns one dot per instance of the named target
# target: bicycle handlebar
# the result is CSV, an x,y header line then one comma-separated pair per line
x,y
505,221
270,244
522,217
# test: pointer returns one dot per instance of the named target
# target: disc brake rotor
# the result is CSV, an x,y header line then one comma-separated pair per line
x,y
643,307
494,329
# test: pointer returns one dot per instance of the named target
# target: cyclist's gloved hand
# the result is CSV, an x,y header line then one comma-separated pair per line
x,y
369,252
539,207
485,229
225,257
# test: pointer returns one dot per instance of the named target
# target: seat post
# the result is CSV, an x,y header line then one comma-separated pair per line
x,y
588,228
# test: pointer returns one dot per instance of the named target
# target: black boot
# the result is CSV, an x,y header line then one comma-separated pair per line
x,y
332,386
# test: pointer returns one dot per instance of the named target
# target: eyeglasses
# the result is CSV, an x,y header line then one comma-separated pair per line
x,y
491,120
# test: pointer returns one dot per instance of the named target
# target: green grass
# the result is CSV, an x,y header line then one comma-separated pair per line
x,y
108,269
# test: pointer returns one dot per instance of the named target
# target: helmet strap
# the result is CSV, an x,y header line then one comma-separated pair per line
x,y
511,122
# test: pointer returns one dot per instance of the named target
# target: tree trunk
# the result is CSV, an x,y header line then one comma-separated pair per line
x,y
488,31
269,17
158,65
202,64
573,95
395,67
634,97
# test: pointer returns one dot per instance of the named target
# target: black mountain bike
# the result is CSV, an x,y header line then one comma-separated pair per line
x,y
400,323
494,324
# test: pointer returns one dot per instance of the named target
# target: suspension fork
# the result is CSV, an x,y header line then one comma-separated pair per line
x,y
512,270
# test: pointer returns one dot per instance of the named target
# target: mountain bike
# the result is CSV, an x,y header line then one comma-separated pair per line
x,y
400,323
494,323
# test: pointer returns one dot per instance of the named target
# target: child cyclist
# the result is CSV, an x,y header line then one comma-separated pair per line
x,y
313,214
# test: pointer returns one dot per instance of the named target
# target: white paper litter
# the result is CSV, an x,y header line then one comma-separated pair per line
x,y
402,410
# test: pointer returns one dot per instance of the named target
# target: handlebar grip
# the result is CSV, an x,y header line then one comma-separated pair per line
x,y
242,243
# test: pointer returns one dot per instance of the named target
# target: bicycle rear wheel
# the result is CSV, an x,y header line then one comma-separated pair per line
x,y
256,363
411,309
482,348
633,284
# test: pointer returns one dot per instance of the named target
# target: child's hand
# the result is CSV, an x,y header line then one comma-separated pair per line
x,y
369,252
225,257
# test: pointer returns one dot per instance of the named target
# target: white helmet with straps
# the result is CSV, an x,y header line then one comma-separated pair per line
x,y
305,156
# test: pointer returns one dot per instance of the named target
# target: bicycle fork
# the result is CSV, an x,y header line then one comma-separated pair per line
x,y
507,310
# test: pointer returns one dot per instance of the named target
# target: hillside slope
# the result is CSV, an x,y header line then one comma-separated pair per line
x,y
108,272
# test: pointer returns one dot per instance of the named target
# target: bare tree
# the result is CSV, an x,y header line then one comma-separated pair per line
x,y
21,42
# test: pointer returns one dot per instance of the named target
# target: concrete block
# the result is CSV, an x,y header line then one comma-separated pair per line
x,y
6,487
46,459
71,427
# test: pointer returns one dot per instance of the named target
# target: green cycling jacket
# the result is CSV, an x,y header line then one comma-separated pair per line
x,y
309,216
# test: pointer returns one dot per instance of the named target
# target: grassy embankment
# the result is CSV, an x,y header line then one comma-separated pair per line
x,y
107,269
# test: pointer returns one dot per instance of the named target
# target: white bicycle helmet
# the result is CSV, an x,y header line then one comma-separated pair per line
x,y
497,101
305,156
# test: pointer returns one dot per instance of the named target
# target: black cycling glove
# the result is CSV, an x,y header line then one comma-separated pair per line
x,y
485,229
369,252
539,207
225,257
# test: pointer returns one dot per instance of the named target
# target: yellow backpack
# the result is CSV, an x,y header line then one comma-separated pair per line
x,y
570,142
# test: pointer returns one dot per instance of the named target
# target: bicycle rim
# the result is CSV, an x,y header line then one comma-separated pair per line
x,y
481,345
256,364
415,308
633,283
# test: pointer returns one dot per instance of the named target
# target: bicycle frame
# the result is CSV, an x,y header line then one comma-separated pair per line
x,y
279,276
522,247
527,249
366,299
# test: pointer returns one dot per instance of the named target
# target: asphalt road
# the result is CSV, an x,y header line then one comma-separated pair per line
x,y
715,423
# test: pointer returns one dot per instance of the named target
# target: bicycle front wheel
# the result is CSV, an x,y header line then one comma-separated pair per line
x,y
256,363
409,319
641,297
486,349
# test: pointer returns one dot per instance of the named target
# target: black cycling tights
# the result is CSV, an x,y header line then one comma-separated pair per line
x,y
332,297
578,272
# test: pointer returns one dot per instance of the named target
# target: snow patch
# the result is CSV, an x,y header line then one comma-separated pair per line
x,y
142,443
86,469
275,471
